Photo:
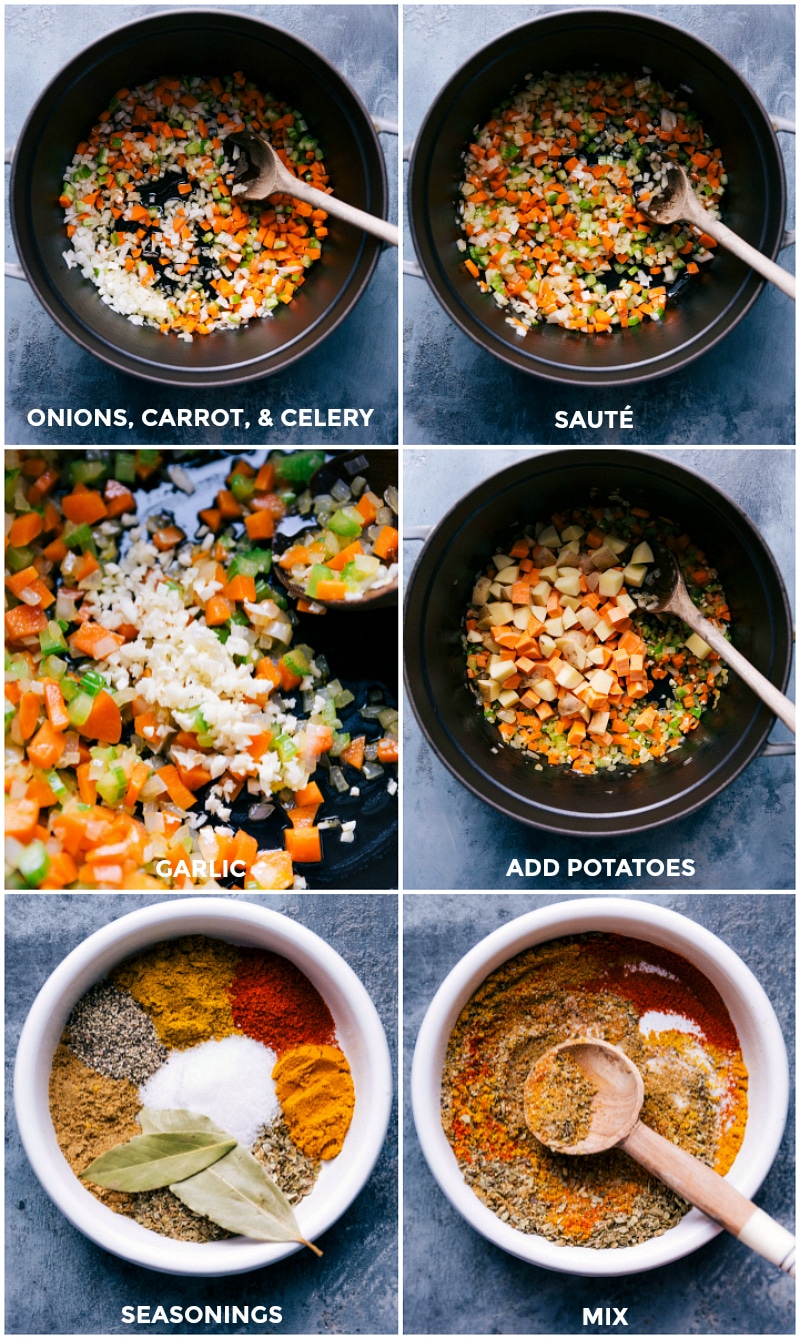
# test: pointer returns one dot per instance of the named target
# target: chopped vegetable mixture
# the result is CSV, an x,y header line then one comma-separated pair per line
x,y
139,675
563,661
150,206
551,198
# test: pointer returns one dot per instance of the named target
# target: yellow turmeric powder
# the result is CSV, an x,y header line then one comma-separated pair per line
x,y
184,985
315,1089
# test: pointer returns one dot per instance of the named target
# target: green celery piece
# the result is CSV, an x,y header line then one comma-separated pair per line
x,y
242,487
296,663
17,559
347,523
340,743
286,747
34,863
93,683
80,709
52,639
319,572
298,467
112,785
125,467
87,471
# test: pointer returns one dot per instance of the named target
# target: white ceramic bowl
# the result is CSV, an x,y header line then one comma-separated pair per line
x,y
760,1036
359,1030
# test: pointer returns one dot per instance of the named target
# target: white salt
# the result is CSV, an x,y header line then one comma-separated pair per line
x,y
229,1081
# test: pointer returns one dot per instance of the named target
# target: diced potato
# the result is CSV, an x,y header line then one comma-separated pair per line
x,y
588,618
521,617
555,626
611,582
601,681
625,602
637,663
568,617
508,698
642,553
604,558
508,576
616,544
496,590
596,656
474,636
697,646
501,560
488,690
539,611
570,584
569,677
547,646
599,723
500,670
635,574
549,538
602,630
572,532
550,573
481,591
547,690
571,601
540,593
500,613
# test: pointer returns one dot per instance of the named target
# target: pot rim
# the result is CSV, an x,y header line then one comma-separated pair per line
x,y
499,796
130,363
550,370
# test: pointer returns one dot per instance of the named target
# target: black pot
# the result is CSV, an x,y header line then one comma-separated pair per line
x,y
201,42
754,202
630,800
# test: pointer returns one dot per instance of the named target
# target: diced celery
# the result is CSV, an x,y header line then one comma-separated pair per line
x,y
87,471
17,559
296,662
79,537
33,864
242,487
286,748
52,639
80,709
347,522
298,467
113,785
125,467
340,743
318,573
93,683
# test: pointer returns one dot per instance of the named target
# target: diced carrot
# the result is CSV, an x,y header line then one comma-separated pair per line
x,y
178,793
105,720
96,641
273,870
212,517
87,788
56,551
24,529
28,714
387,542
330,590
229,508
167,537
193,777
62,871
118,498
86,565
345,556
265,479
304,845
260,525
303,815
388,749
368,504
54,704
24,622
20,818
218,611
139,774
354,753
18,582
84,507
259,744
245,848
310,794
241,588
46,747
267,669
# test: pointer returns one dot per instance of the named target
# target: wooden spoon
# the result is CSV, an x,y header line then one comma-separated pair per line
x,y
676,200
615,1124
665,593
262,173
380,468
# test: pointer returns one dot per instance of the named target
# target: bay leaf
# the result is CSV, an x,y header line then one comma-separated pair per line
x,y
150,1161
154,1120
237,1194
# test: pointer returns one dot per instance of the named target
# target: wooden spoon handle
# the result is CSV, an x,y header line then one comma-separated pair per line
x,y
702,1186
761,686
348,213
733,242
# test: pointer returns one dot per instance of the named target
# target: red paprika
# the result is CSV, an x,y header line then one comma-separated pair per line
x,y
273,1002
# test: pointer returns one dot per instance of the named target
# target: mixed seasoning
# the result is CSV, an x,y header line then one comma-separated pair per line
x,y
562,659
237,1035
558,1100
670,1021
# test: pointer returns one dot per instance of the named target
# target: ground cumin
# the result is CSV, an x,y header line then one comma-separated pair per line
x,y
184,985
90,1115
591,985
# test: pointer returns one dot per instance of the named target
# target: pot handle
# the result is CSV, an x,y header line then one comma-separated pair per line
x,y
13,271
783,123
413,268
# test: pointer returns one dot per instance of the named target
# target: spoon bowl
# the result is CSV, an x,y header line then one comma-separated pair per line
x,y
380,468
619,1093
260,173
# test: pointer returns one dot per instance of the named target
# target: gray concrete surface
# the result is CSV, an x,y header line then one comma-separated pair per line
x,y
455,1282
742,839
740,392
355,366
58,1282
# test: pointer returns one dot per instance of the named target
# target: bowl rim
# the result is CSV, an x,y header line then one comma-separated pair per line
x,y
641,919
163,920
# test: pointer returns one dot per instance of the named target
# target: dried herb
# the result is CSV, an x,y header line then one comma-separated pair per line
x,y
235,1192
150,1161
